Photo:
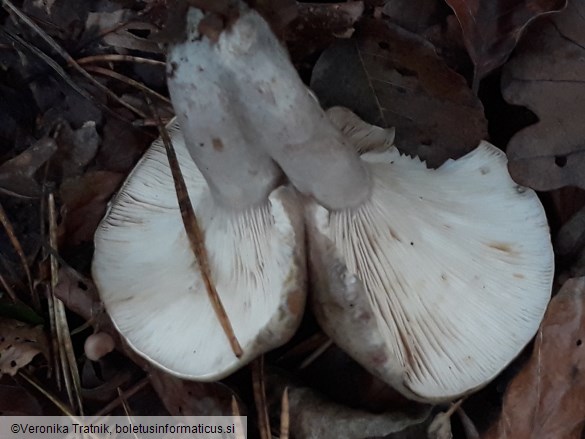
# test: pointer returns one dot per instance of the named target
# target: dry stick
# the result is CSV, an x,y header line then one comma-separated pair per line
x,y
127,80
260,397
316,354
144,382
61,72
67,355
8,289
119,58
195,235
19,251
56,401
239,433
57,48
284,415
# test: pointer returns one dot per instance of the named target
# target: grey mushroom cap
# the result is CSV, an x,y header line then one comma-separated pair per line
x,y
441,278
150,282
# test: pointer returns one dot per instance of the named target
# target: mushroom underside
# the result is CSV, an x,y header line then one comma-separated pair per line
x,y
151,285
440,279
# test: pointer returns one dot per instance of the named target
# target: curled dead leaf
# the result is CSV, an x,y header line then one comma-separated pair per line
x,y
547,397
17,174
19,344
393,78
492,29
547,77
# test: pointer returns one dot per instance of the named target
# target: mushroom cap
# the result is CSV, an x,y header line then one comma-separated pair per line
x,y
151,285
440,279
98,345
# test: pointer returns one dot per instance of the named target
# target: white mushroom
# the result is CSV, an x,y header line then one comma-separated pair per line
x,y
440,279
98,345
434,280
145,270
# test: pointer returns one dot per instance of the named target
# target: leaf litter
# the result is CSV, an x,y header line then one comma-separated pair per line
x,y
397,64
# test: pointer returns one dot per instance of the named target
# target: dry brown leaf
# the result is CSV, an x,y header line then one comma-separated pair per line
x,y
547,398
191,398
84,203
16,401
17,174
393,78
547,76
317,25
19,344
491,29
313,416
76,148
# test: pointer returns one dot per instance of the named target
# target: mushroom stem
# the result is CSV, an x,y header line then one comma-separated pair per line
x,y
289,123
206,102
277,111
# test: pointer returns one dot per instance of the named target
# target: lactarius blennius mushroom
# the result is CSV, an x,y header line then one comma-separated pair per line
x,y
434,280
146,273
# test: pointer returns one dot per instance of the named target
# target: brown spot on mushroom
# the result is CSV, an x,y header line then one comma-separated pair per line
x,y
444,276
518,276
501,246
394,235
484,170
217,144
296,302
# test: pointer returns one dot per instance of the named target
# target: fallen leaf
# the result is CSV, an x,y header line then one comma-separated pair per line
x,y
547,77
84,203
415,16
393,78
19,344
76,148
122,145
17,174
313,416
491,29
16,401
191,398
547,397
318,25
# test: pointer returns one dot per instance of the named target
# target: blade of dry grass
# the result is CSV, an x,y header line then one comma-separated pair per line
x,y
260,397
284,415
70,60
237,419
65,346
118,58
316,354
7,224
122,78
195,235
56,401
124,396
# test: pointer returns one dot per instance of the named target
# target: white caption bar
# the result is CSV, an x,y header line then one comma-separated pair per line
x,y
118,427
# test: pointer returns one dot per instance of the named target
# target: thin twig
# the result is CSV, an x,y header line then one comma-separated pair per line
x,y
240,434
316,354
56,401
284,415
260,397
8,289
70,60
124,397
19,251
195,235
127,80
67,355
63,74
110,57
